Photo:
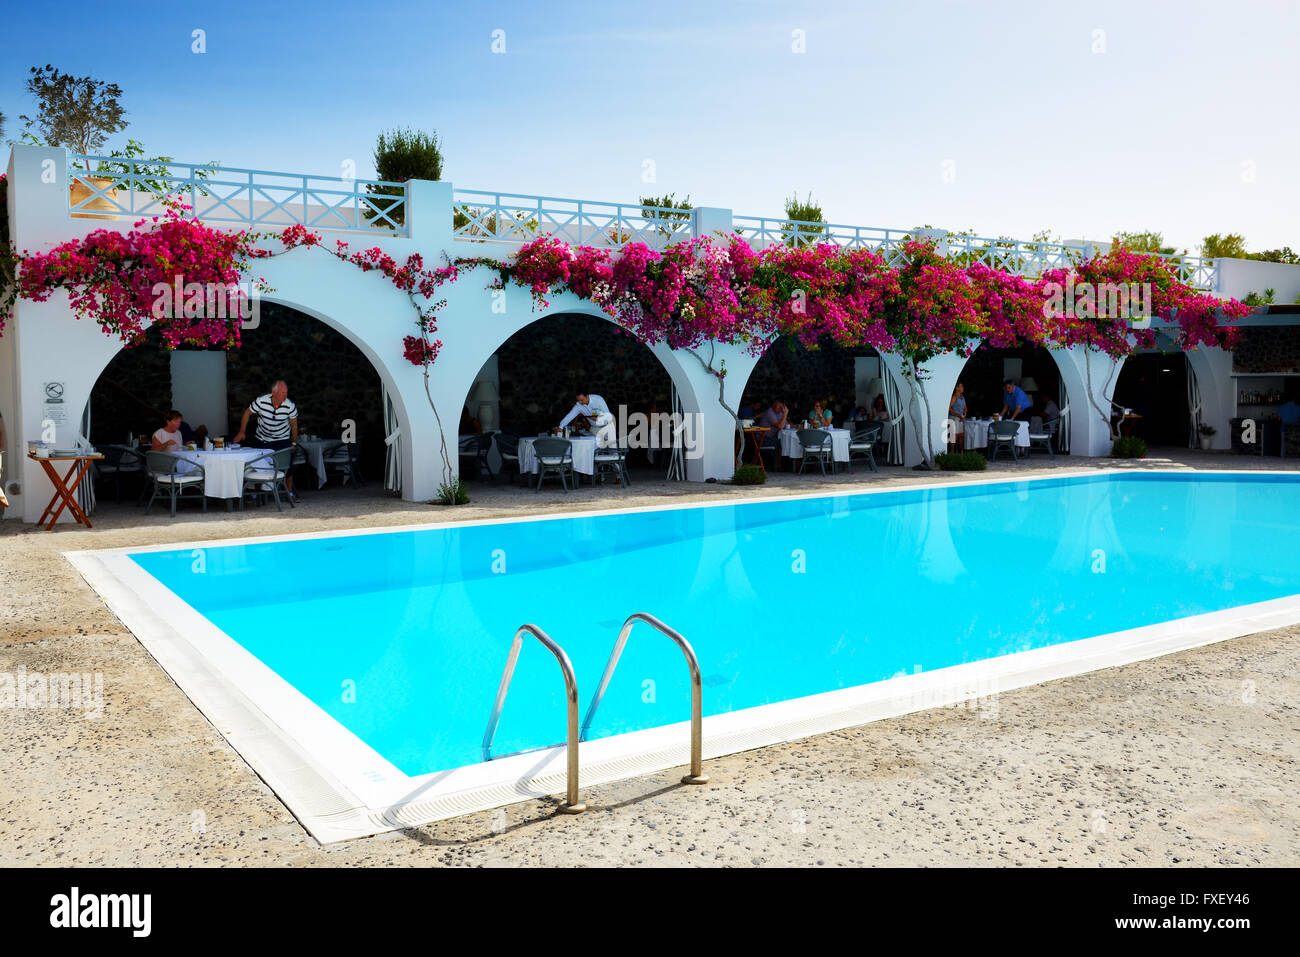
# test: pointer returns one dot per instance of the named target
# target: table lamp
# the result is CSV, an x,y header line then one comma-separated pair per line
x,y
485,396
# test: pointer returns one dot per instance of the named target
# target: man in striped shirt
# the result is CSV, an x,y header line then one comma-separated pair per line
x,y
277,422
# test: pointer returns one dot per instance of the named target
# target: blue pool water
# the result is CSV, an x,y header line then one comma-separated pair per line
x,y
779,599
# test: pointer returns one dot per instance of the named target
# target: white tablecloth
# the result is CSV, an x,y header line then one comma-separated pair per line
x,y
977,433
584,455
223,470
316,449
791,448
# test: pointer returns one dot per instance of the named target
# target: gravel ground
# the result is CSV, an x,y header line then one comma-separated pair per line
x,y
1189,759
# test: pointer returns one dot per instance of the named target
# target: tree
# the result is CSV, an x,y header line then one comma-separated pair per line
x,y
1229,246
659,209
402,155
77,112
2,126
800,232
1143,242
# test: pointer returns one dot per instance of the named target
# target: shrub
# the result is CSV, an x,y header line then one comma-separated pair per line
x,y
456,493
1129,447
961,461
402,155
749,475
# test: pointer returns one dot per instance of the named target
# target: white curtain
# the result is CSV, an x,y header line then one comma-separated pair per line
x,y
676,458
86,490
1063,429
1193,409
393,442
897,421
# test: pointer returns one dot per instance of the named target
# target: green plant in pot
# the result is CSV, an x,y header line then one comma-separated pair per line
x,y
1207,435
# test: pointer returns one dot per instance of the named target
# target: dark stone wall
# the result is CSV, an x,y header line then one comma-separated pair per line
x,y
798,375
132,394
328,378
1267,349
544,364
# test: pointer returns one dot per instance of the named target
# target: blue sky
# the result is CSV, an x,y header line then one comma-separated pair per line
x,y
1002,117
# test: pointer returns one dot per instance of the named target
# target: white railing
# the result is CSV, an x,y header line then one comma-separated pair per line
x,y
487,217
115,185
1009,255
762,232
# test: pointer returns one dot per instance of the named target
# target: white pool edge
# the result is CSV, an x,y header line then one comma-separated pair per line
x,y
339,788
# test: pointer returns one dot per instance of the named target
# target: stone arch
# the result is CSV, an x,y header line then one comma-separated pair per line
x,y
483,323
890,366
368,350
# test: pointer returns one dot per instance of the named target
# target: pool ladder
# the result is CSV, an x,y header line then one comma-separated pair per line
x,y
571,803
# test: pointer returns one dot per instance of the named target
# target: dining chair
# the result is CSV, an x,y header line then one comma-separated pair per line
x,y
342,458
816,445
172,476
863,445
508,449
1044,436
122,460
612,459
267,473
300,467
1002,434
554,457
478,449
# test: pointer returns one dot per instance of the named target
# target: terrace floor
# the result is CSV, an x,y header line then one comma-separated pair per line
x,y
1190,759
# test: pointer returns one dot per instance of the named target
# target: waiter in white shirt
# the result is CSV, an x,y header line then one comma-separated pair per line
x,y
594,414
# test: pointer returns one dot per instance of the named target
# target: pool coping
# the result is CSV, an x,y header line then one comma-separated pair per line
x,y
340,788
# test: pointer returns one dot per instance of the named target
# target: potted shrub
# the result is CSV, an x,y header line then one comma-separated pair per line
x,y
1129,447
1207,435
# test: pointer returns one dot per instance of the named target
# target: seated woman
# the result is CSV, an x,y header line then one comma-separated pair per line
x,y
820,416
168,438
878,410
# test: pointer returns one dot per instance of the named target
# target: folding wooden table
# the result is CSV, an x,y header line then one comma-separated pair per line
x,y
64,494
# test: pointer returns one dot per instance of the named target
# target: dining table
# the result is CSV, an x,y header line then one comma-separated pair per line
x,y
584,453
791,448
977,433
316,449
223,470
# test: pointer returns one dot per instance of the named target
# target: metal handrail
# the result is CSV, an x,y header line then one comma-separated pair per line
x,y
697,775
571,805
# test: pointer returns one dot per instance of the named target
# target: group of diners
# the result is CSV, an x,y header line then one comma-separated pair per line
x,y
260,458
1016,407
823,414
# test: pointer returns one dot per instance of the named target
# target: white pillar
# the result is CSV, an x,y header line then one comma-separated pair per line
x,y
711,222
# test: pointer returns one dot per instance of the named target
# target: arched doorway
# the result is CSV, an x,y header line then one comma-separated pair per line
x,y
528,384
1152,396
844,378
1030,367
331,380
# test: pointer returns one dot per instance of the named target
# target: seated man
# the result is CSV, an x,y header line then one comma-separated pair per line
x,y
1289,412
774,419
1016,403
590,411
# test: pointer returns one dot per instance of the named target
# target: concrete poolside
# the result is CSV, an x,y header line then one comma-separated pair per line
x,y
1187,759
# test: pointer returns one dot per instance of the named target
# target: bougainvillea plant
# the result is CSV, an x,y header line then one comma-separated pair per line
x,y
693,293
119,279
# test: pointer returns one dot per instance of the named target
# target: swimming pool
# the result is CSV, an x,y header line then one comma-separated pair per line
x,y
385,649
